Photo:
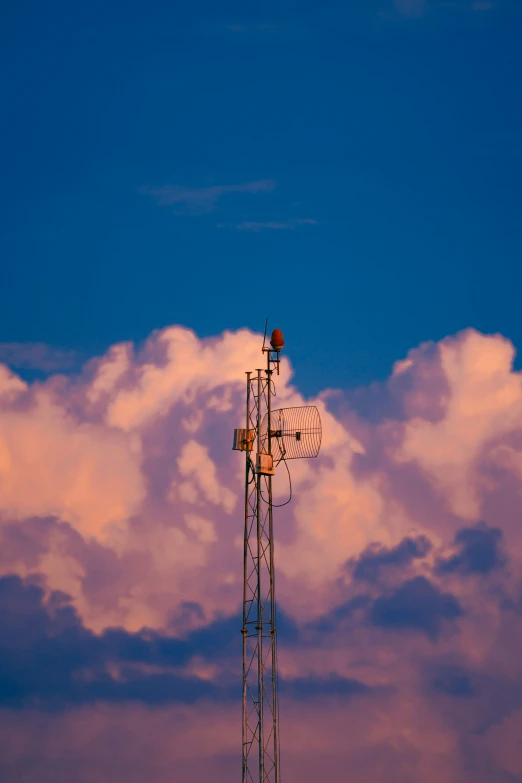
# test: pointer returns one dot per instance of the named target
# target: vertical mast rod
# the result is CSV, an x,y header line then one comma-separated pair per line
x,y
259,555
260,759
245,738
273,629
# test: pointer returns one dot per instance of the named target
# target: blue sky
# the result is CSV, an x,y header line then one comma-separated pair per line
x,y
350,169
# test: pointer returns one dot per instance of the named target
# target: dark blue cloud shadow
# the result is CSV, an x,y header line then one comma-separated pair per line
x,y
377,557
417,605
49,660
478,551
453,681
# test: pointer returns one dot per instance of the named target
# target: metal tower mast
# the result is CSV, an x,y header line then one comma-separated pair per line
x,y
260,717
297,434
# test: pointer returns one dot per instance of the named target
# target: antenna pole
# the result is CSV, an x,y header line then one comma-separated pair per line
x,y
273,629
297,435
260,724
260,617
245,576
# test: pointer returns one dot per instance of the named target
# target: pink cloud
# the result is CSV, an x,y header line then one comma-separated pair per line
x,y
119,488
134,464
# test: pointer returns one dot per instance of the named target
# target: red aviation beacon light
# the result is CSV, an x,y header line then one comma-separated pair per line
x,y
277,340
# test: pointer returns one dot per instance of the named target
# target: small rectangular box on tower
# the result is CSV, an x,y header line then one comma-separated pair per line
x,y
243,439
265,464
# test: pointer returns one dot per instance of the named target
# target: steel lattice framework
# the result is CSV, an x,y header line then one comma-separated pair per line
x,y
260,708
273,436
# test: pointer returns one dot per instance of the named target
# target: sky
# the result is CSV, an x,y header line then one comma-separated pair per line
x,y
173,175
348,168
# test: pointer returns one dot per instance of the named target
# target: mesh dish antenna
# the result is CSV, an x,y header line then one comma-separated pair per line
x,y
295,433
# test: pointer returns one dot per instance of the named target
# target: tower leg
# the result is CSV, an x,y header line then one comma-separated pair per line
x,y
260,723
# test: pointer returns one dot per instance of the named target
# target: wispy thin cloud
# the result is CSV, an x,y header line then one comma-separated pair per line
x,y
271,225
201,200
410,7
416,8
251,29
38,356
476,5
481,5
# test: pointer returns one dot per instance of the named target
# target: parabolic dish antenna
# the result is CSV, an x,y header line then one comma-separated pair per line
x,y
295,433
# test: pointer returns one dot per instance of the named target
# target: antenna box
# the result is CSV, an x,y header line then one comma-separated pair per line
x,y
243,439
265,464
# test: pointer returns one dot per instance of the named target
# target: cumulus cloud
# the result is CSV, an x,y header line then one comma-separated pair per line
x,y
48,658
194,463
53,463
483,402
398,565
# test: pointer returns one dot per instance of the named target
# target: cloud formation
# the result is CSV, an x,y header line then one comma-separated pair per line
x,y
201,200
38,356
416,8
416,605
270,225
398,566
410,7
376,557
478,551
